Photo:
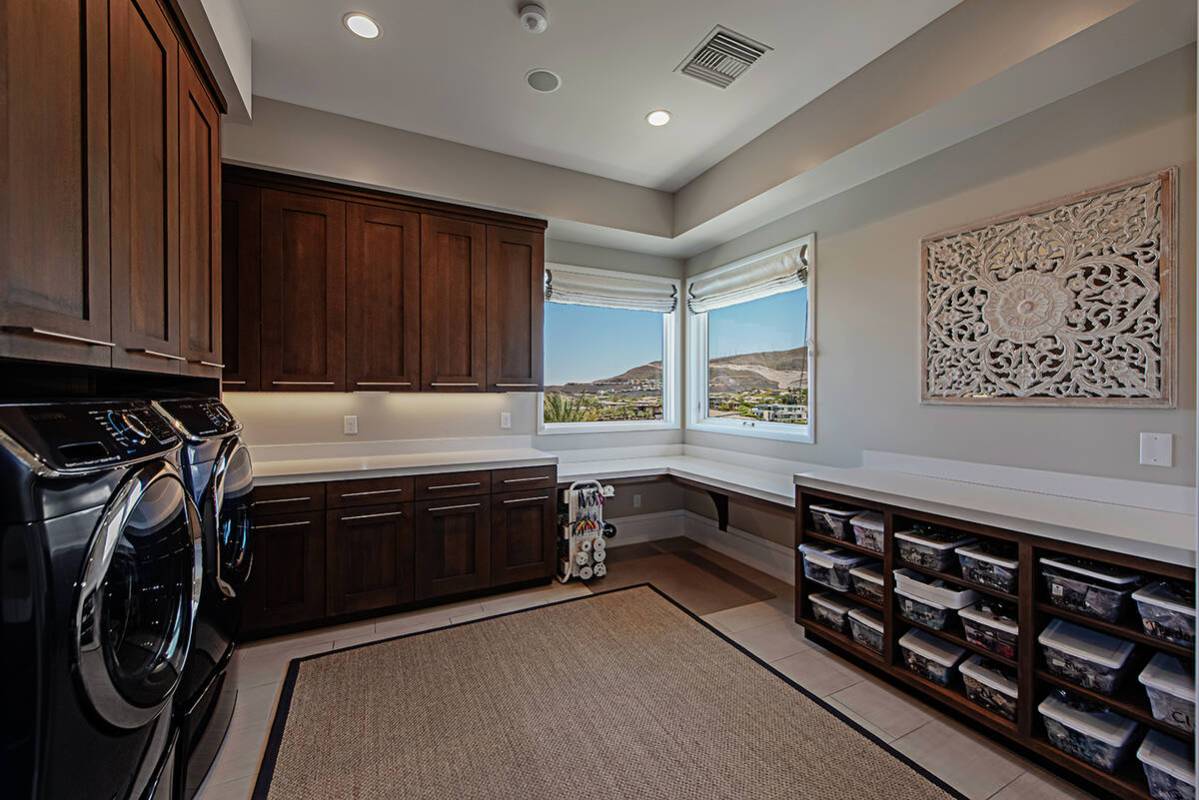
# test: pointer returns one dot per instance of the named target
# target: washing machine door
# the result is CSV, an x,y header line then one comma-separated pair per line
x,y
138,596
227,508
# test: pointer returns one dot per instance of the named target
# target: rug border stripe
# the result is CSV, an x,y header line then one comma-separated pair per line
x,y
262,783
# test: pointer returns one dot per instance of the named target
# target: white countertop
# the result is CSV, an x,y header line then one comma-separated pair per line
x,y
773,485
346,467
1149,533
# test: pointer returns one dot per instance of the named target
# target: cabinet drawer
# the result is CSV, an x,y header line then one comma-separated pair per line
x,y
452,484
518,480
288,498
368,492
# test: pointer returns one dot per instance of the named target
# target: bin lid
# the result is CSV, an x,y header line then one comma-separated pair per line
x,y
868,618
1112,576
1106,726
973,667
836,512
936,544
869,572
990,620
1166,674
931,647
979,553
830,601
828,556
899,590
1087,644
871,519
1169,755
1163,594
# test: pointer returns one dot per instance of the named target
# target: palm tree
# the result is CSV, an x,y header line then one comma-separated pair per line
x,y
560,408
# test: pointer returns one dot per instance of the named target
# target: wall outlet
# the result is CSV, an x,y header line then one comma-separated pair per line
x,y
505,419
636,501
349,425
1157,449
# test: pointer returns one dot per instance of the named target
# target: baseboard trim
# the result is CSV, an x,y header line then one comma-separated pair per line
x,y
774,559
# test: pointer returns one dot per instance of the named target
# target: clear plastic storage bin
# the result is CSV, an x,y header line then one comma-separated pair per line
x,y
1169,767
990,685
868,530
930,548
992,625
1086,730
830,609
866,626
1088,587
992,564
833,521
1088,658
929,657
868,581
829,565
1171,690
1167,610
921,611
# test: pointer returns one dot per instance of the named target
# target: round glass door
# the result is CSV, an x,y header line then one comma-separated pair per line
x,y
138,597
232,497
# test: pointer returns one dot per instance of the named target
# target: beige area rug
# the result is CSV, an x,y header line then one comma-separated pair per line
x,y
617,695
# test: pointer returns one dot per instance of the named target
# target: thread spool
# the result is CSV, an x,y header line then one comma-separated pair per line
x,y
599,555
586,572
598,544
585,545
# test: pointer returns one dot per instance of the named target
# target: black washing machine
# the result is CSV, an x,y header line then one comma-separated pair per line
x,y
100,579
217,468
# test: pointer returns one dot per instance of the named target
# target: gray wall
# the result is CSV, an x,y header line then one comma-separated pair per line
x,y
867,284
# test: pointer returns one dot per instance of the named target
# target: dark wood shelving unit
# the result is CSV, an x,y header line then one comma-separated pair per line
x,y
1033,612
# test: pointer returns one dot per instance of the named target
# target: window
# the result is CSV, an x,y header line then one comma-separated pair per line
x,y
750,345
610,351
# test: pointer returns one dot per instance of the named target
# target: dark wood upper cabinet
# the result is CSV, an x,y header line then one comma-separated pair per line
x,y
241,290
453,546
515,309
199,224
454,301
382,299
368,558
303,292
522,536
287,578
54,214
144,186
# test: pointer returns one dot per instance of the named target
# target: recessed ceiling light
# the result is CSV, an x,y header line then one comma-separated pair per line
x,y
658,118
361,25
542,80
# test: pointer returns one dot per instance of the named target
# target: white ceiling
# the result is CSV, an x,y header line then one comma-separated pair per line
x,y
455,69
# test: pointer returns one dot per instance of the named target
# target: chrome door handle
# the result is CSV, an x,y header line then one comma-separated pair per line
x,y
455,508
453,486
371,493
382,383
282,525
154,353
446,383
518,385
232,383
526,480
380,515
49,334
527,500
302,383
204,363
281,500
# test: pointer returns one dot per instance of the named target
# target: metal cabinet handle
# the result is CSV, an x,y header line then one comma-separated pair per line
x,y
445,383
369,494
154,353
380,515
204,363
302,383
282,525
281,500
455,508
382,383
527,500
70,337
518,385
526,480
454,486
232,383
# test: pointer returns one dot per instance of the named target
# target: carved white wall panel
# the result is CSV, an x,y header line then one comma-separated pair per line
x,y
1072,302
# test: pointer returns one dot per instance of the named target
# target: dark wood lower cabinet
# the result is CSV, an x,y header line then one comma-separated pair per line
x,y
287,579
368,558
522,536
453,546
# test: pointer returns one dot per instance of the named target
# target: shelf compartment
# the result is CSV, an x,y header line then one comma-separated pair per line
x,y
843,640
1130,702
1115,629
954,637
852,547
1128,781
959,580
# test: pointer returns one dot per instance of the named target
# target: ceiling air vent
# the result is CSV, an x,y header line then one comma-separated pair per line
x,y
722,57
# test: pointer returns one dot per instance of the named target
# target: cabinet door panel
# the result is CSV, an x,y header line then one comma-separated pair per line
x,y
522,536
369,558
241,216
453,546
144,180
303,292
54,212
453,305
199,223
382,298
287,578
515,309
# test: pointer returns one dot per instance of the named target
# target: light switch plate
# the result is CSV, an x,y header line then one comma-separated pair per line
x,y
1157,449
350,425
505,419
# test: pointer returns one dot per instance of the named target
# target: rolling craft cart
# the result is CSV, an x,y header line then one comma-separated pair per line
x,y
582,543
1080,657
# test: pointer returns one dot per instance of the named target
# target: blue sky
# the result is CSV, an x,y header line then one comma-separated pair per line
x,y
584,343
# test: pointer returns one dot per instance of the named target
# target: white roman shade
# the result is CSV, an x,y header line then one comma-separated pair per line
x,y
779,270
583,287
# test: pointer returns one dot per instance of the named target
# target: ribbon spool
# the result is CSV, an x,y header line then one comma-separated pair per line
x,y
599,555
598,544
601,569
582,559
585,573
585,545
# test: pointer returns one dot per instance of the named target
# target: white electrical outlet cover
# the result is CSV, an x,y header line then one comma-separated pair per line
x,y
1157,449
350,425
505,419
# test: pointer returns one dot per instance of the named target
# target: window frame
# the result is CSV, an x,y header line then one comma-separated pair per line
x,y
671,367
697,418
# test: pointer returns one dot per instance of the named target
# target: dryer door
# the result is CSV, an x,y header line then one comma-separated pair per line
x,y
227,508
138,596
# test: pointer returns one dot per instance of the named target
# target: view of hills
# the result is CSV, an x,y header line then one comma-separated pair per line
x,y
776,369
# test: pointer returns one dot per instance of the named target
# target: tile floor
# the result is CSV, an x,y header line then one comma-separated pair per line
x,y
750,607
